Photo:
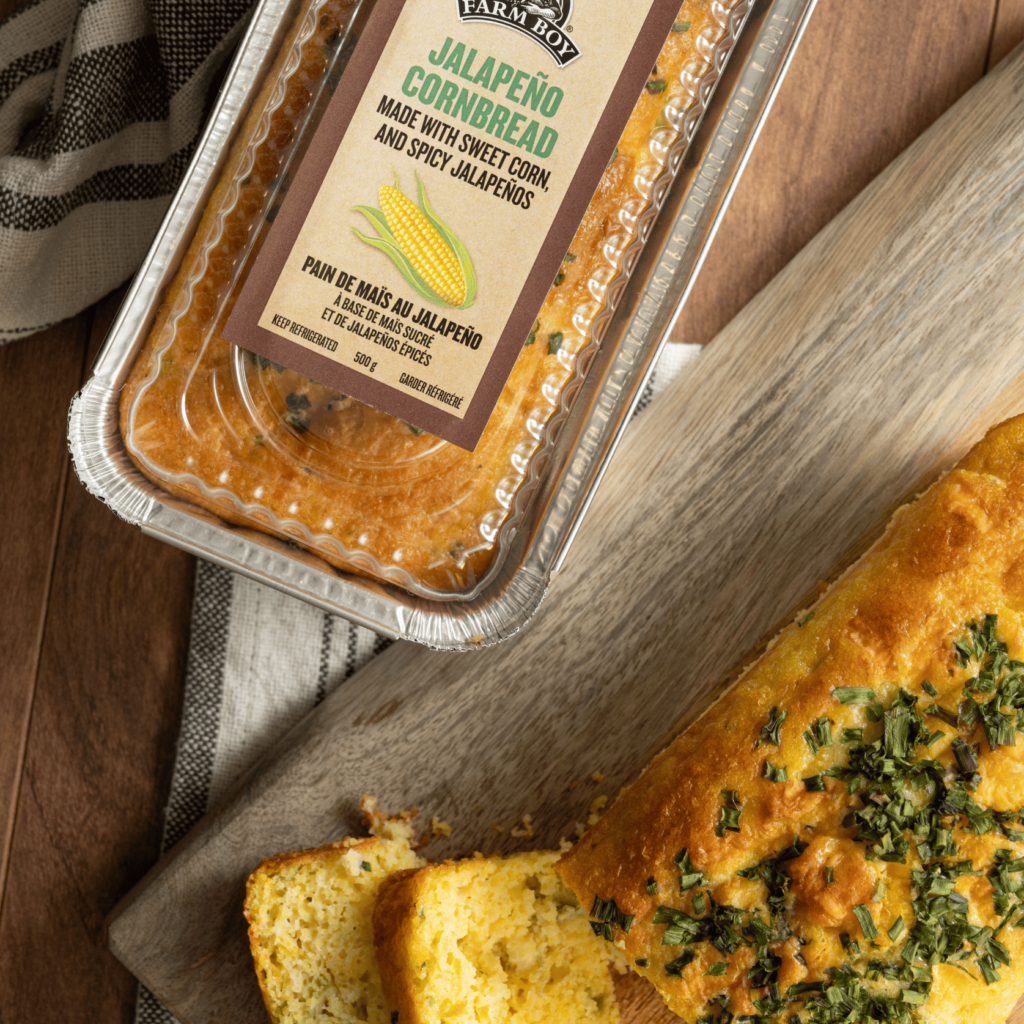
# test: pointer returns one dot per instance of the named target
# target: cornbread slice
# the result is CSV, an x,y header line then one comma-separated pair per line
x,y
310,927
490,940
841,838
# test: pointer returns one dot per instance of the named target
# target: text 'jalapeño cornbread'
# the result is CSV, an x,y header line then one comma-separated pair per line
x,y
840,837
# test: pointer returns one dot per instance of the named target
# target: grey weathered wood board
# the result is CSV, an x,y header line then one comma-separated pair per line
x,y
868,365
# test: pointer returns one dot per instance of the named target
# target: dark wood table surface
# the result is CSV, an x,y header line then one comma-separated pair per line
x,y
94,616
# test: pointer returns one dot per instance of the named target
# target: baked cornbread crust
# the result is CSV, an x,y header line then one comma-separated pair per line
x,y
864,884
265,447
487,940
310,927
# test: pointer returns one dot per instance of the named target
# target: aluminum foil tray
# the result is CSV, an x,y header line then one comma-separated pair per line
x,y
689,199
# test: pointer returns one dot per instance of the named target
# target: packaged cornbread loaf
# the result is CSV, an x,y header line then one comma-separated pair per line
x,y
393,287
841,836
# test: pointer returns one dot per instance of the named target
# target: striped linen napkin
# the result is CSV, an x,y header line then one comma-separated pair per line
x,y
101,105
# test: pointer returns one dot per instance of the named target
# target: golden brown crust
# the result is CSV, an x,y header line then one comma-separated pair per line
x,y
952,557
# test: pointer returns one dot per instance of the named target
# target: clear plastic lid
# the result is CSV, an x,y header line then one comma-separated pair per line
x,y
263,446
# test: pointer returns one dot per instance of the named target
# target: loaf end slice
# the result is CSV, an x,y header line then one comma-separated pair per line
x,y
310,927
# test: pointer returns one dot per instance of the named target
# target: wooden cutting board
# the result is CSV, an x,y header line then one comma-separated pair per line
x,y
868,365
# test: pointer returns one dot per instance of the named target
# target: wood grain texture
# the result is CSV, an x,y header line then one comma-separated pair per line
x,y
98,758
33,487
830,134
867,366
1007,30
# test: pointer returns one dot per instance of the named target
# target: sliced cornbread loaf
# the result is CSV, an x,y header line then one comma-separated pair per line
x,y
490,940
310,927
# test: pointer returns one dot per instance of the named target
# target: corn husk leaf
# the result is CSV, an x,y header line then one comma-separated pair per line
x,y
387,245
461,254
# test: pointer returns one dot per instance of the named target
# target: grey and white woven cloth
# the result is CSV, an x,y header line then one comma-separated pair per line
x,y
101,105
258,661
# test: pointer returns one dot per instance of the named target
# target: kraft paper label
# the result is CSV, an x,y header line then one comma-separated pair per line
x,y
439,196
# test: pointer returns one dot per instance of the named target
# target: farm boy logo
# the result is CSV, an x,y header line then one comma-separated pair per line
x,y
544,21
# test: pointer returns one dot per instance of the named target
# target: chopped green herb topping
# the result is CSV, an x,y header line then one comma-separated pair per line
x,y
681,26
807,618
867,924
642,962
770,732
570,257
608,914
717,969
729,821
554,342
657,85
689,876
909,809
367,866
532,336
853,694
559,278
676,967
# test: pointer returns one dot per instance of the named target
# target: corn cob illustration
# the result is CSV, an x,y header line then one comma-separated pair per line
x,y
423,248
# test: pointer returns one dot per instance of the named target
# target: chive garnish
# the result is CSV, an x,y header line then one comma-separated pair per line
x,y
676,967
897,927
367,866
689,875
642,962
853,694
965,756
657,85
717,969
770,731
929,689
651,886
830,875
729,821
807,618
773,774
532,336
681,26
559,278
852,735
554,342
940,712
867,924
